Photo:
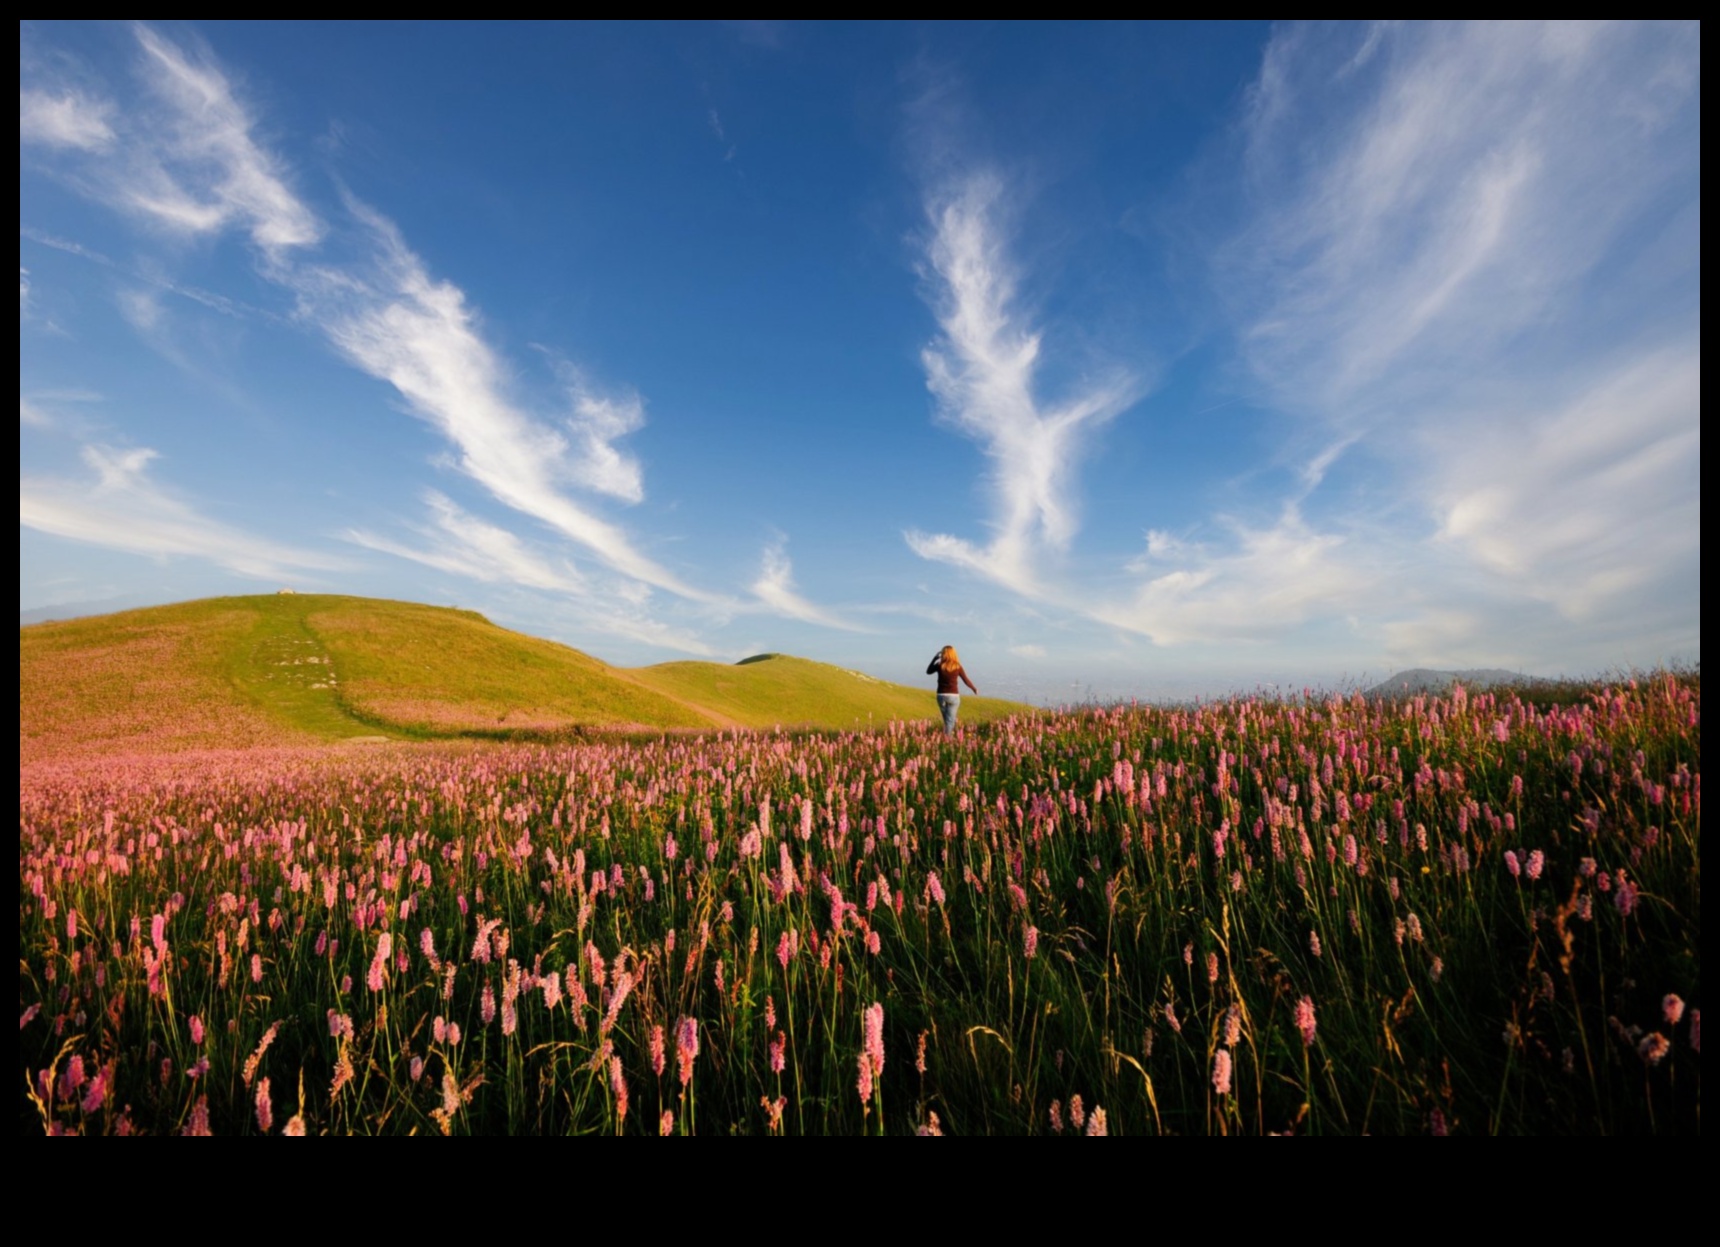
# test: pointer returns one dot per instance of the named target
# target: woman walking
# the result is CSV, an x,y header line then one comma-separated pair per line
x,y
949,670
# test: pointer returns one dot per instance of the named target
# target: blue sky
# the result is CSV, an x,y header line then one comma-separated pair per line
x,y
1133,360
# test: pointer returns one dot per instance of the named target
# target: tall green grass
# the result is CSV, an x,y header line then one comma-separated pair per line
x,y
1057,915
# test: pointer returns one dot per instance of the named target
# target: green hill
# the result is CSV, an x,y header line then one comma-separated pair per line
x,y
772,689
302,668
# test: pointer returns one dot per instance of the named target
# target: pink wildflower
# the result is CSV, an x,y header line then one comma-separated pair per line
x,y
1536,864
1097,1124
1672,1009
198,1125
1305,1019
1057,1117
934,889
1511,863
265,1107
1077,1112
1030,942
1212,967
487,1004
1221,1071
379,963
872,1030
686,1048
1653,1048
666,1125
96,1093
770,1013
295,1127
864,1083
1232,1026
618,1084
778,1053
196,1025
1314,943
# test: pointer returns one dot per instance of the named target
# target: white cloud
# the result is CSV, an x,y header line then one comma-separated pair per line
x,y
775,588
1594,500
184,159
467,546
141,309
1261,584
207,170
1472,258
1421,210
1027,651
69,119
417,333
982,372
122,509
187,157
30,414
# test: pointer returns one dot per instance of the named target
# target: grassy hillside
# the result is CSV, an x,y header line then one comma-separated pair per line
x,y
301,668
777,689
156,679
434,670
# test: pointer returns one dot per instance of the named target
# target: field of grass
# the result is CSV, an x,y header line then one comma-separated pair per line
x,y
287,669
1442,915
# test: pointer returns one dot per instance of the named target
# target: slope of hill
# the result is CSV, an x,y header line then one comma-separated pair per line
x,y
771,689
300,668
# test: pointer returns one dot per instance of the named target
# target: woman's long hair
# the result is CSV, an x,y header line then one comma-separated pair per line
x,y
948,660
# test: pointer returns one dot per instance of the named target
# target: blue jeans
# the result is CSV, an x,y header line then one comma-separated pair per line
x,y
949,704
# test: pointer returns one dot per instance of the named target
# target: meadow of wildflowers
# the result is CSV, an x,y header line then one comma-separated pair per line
x,y
1468,914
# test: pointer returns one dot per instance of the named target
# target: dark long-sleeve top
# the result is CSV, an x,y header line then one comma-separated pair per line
x,y
947,679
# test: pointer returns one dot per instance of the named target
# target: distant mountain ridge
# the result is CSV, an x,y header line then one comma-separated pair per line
x,y
1419,680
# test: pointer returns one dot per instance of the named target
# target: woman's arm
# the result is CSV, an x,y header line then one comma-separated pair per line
x,y
932,667
962,672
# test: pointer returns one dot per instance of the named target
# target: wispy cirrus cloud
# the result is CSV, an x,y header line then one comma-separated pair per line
x,y
458,542
401,325
1469,264
982,371
66,118
1256,585
1427,194
122,508
775,588
187,157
